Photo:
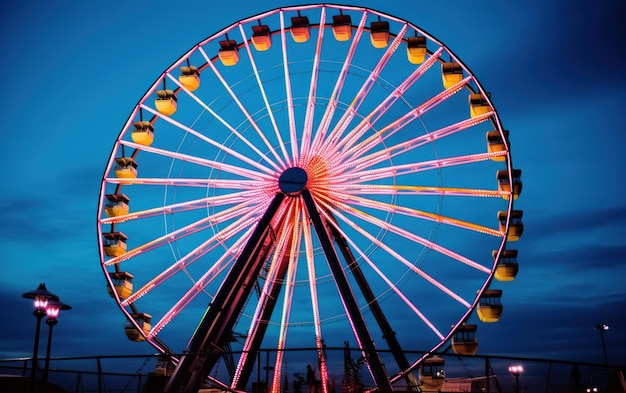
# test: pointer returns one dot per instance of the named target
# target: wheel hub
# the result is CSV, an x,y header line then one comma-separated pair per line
x,y
292,181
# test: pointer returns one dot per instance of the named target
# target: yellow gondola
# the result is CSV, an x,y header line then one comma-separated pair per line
x,y
300,31
342,27
166,102
143,133
432,374
489,307
117,205
126,167
507,266
516,226
261,37
163,365
478,104
228,52
114,243
504,185
495,143
379,34
143,320
122,284
189,77
451,73
464,341
416,49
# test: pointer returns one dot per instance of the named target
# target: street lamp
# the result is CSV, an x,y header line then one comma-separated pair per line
x,y
516,371
602,328
52,311
41,296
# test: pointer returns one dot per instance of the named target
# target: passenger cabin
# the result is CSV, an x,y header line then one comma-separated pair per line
x,y
516,227
379,34
489,307
163,365
507,266
464,341
143,133
342,27
117,205
228,52
126,167
431,374
189,77
114,243
122,284
479,104
143,320
166,102
300,31
451,73
504,185
416,49
261,37
495,143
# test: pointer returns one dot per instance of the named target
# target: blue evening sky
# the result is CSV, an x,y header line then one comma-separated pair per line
x,y
71,73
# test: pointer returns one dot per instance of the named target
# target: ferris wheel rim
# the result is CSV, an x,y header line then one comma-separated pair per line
x,y
285,166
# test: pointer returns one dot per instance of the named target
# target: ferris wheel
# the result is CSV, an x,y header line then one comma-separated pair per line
x,y
305,177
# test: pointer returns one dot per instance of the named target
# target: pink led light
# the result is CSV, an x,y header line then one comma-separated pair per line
x,y
270,113
320,135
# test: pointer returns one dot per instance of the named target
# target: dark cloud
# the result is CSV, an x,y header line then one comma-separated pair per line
x,y
40,220
584,219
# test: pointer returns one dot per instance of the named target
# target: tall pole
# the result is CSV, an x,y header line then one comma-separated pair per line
x,y
53,308
51,323
602,328
39,315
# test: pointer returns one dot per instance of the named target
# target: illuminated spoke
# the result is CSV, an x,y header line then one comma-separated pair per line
x,y
288,302
214,241
235,170
392,252
320,135
404,169
226,214
393,208
265,101
350,151
308,119
377,189
198,286
315,306
195,204
290,110
200,136
367,86
245,113
408,145
389,283
339,140
227,184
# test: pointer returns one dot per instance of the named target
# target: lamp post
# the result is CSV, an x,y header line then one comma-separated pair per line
x,y
602,328
52,311
41,296
516,371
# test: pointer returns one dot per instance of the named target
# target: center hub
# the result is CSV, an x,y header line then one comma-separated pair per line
x,y
292,181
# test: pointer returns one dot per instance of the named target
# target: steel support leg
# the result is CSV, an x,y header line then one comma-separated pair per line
x,y
215,328
352,308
